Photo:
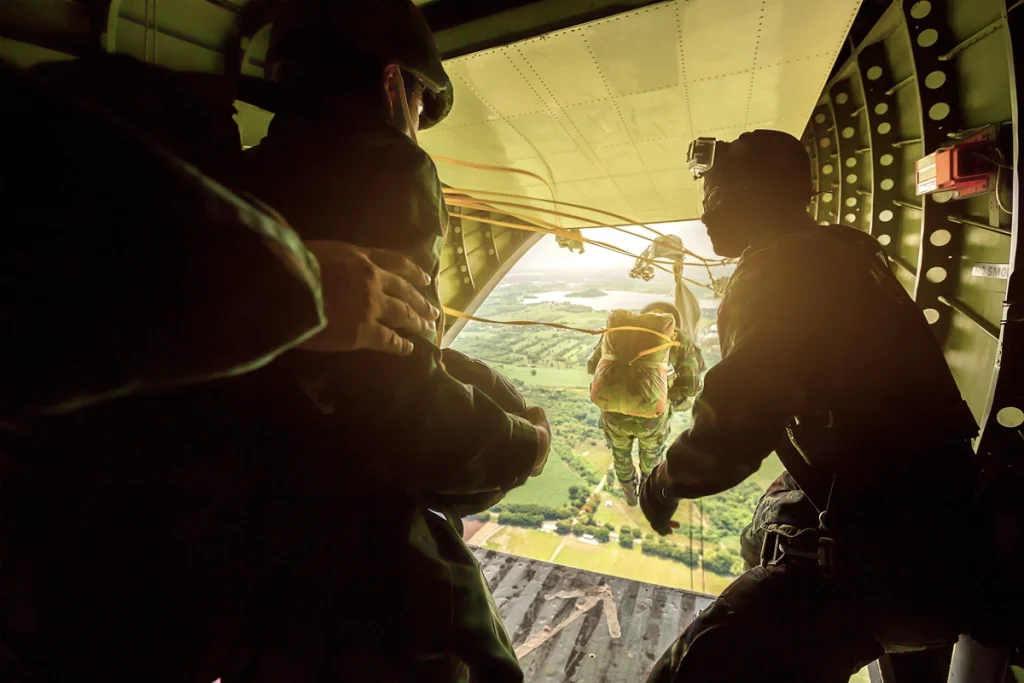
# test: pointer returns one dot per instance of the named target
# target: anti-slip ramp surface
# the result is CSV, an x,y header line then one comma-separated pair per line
x,y
568,624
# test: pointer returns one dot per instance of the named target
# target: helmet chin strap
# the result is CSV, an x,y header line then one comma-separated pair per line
x,y
406,111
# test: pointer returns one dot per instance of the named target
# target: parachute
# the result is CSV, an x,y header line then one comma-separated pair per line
x,y
631,377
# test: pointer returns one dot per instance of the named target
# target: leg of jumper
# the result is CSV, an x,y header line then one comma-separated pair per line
x,y
653,442
618,432
779,623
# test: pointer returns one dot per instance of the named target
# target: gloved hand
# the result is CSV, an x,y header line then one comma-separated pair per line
x,y
657,502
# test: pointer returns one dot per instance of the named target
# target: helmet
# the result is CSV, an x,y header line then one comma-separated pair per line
x,y
766,160
393,30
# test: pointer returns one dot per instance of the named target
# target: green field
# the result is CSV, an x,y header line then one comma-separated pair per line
x,y
549,367
550,488
546,377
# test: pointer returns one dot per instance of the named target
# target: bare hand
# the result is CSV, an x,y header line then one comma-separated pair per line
x,y
538,419
368,295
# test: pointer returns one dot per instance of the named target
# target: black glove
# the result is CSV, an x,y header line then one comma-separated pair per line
x,y
657,502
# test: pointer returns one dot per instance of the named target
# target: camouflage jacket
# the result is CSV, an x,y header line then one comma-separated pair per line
x,y
814,320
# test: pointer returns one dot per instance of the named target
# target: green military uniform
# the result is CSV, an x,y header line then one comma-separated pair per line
x,y
95,306
814,320
651,433
411,437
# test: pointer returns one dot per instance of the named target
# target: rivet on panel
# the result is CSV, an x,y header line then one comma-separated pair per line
x,y
927,37
457,229
458,250
463,268
465,280
931,315
936,274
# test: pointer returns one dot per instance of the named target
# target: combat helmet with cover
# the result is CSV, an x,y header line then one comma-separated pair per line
x,y
308,31
631,377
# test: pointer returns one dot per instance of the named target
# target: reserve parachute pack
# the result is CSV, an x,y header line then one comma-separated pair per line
x,y
631,377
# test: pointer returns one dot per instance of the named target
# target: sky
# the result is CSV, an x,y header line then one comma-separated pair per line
x,y
546,255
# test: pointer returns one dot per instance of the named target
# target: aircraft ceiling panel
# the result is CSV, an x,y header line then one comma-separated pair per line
x,y
600,124
615,102
637,54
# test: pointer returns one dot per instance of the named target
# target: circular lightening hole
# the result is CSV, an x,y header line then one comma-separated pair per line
x,y
884,127
851,202
1010,417
886,160
852,178
819,118
884,240
842,98
827,197
940,238
931,315
851,162
938,111
935,80
881,108
885,216
927,37
887,184
850,218
921,9
936,274
874,73
848,132
827,169
825,142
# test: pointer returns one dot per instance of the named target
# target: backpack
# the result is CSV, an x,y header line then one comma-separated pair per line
x,y
631,377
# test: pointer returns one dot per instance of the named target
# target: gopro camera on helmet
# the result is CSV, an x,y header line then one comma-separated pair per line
x,y
701,156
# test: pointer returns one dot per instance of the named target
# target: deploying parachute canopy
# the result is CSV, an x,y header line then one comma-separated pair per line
x,y
631,377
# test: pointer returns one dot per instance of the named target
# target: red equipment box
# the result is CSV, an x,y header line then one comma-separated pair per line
x,y
965,168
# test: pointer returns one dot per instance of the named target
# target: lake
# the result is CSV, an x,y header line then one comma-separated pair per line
x,y
612,300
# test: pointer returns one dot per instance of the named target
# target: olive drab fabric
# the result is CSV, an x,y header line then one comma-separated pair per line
x,y
625,381
828,362
412,436
115,261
